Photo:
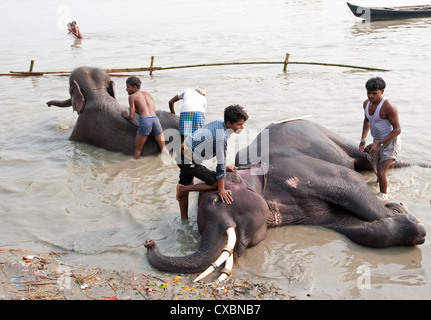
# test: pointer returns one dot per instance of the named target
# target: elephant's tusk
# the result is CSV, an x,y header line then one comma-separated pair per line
x,y
227,252
205,273
227,270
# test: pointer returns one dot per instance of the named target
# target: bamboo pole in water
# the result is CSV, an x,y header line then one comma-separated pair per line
x,y
286,61
152,68
151,65
292,119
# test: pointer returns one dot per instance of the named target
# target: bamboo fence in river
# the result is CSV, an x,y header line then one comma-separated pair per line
x,y
118,72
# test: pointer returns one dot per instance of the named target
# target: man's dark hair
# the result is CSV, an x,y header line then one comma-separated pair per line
x,y
375,83
234,113
134,81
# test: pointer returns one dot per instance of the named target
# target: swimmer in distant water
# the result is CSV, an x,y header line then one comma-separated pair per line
x,y
73,28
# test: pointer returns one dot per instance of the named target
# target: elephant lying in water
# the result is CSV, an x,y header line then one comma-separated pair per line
x,y
310,180
99,114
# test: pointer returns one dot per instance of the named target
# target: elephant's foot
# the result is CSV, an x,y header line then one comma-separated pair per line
x,y
405,230
409,221
397,230
419,238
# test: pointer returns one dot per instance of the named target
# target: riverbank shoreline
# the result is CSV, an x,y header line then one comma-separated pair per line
x,y
27,275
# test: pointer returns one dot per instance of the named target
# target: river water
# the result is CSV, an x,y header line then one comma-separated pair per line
x,y
101,206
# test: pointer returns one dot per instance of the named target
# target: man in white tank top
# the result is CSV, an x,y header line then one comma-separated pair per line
x,y
381,117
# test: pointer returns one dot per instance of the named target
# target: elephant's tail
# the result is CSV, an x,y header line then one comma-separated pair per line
x,y
403,162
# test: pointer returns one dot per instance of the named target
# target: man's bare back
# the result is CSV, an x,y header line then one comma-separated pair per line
x,y
140,102
144,104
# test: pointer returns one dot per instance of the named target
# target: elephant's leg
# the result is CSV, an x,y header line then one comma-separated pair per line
x,y
321,181
348,189
397,230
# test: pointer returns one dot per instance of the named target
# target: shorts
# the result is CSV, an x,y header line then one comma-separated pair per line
x,y
149,126
190,171
389,151
190,122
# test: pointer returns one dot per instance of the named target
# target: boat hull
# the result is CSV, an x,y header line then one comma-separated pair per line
x,y
376,14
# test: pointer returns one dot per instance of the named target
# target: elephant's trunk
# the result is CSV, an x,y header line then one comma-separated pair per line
x,y
60,103
212,246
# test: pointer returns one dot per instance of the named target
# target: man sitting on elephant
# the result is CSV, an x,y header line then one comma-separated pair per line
x,y
142,103
213,137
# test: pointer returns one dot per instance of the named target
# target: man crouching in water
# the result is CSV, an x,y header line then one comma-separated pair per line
x,y
214,144
142,103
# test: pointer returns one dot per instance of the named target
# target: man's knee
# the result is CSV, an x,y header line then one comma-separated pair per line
x,y
383,166
381,175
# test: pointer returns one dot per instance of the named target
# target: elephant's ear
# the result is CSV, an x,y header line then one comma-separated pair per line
x,y
78,100
111,89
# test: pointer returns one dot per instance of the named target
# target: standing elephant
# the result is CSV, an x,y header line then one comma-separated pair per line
x,y
99,114
310,179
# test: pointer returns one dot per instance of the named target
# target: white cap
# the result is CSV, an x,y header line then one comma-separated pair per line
x,y
201,90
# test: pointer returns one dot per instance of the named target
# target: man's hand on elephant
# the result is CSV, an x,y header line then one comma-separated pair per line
x,y
371,148
230,168
367,148
226,196
374,147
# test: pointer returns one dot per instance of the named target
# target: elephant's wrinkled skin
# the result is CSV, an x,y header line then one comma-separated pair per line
x,y
99,114
311,180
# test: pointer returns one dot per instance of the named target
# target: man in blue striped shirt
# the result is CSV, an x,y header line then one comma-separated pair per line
x,y
207,143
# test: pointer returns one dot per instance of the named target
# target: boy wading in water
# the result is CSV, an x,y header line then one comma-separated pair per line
x,y
206,143
381,117
142,103
73,28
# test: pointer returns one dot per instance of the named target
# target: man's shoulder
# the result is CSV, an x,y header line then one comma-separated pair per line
x,y
215,124
210,127
146,96
388,105
186,90
387,102
388,110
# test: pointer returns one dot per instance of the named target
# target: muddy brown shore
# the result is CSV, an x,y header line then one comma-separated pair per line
x,y
26,275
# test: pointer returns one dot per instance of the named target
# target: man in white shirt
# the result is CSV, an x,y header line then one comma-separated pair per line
x,y
381,118
192,114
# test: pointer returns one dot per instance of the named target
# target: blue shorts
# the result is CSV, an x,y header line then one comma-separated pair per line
x,y
149,126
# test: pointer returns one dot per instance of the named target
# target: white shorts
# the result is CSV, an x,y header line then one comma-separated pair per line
x,y
389,151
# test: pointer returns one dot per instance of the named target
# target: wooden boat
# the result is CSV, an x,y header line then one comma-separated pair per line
x,y
384,13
